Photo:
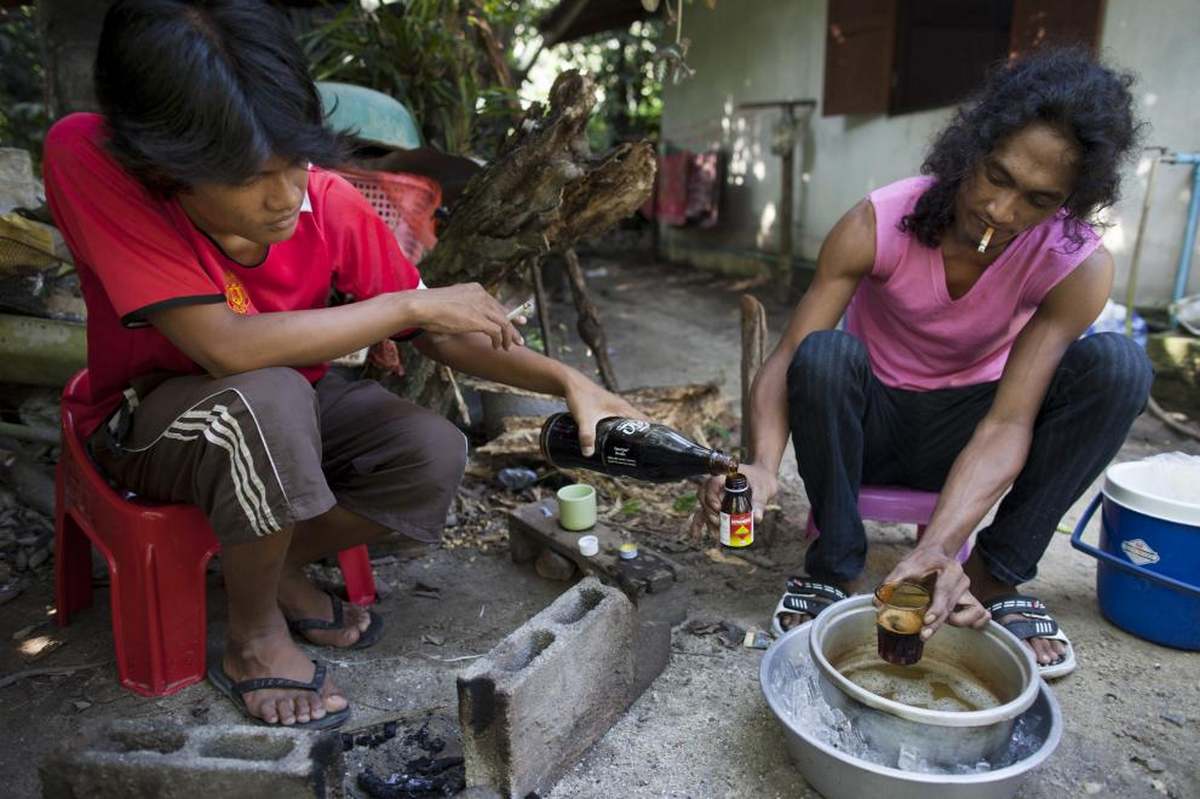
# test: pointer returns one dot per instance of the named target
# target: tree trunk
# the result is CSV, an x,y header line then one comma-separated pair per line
x,y
544,192
754,352
590,329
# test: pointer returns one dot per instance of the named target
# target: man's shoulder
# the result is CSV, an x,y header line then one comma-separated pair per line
x,y
903,192
74,132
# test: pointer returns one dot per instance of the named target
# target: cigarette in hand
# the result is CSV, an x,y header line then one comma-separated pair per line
x,y
524,309
983,242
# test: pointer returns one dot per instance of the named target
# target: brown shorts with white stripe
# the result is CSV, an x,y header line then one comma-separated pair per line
x,y
262,450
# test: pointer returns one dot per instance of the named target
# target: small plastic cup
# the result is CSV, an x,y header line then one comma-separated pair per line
x,y
577,507
899,620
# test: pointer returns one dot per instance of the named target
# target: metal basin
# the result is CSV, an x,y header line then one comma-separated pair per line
x,y
992,657
839,775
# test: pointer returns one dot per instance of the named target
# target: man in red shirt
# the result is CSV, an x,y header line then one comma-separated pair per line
x,y
207,242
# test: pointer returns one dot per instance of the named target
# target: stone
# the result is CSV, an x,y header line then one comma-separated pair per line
x,y
138,759
553,566
532,706
39,556
18,187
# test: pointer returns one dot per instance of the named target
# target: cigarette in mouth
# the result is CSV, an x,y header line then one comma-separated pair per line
x,y
524,309
983,242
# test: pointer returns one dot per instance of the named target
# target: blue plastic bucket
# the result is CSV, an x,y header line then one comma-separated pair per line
x,y
1148,574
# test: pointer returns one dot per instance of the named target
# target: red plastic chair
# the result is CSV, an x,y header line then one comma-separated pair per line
x,y
897,505
157,555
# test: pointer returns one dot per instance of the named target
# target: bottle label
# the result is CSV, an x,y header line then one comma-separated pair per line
x,y
737,529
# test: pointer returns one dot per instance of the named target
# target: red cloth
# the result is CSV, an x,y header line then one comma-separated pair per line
x,y
703,188
686,189
136,252
671,204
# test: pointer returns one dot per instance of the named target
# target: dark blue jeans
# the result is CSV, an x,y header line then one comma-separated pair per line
x,y
849,429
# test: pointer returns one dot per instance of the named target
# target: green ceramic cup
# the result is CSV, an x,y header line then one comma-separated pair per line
x,y
577,507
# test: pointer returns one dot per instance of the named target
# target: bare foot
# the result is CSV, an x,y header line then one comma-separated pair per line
x,y
274,654
300,599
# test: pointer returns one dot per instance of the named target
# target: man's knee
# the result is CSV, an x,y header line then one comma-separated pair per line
x,y
825,360
275,393
1114,366
445,452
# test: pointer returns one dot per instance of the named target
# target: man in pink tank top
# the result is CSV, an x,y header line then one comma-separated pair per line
x,y
961,369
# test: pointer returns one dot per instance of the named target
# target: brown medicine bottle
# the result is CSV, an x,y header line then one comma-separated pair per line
x,y
737,512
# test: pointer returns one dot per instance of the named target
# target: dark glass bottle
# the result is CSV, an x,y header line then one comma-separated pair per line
x,y
737,513
631,448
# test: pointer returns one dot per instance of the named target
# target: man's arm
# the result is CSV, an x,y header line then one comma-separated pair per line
x,y
225,343
997,451
521,367
847,256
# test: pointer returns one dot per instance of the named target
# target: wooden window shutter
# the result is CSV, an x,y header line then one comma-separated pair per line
x,y
860,41
1038,23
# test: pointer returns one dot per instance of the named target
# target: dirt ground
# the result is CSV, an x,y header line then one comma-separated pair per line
x,y
1132,709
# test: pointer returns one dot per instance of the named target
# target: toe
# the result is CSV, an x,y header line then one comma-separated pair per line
x,y
335,702
316,707
265,710
287,713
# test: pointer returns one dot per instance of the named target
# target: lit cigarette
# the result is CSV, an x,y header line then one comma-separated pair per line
x,y
983,242
524,309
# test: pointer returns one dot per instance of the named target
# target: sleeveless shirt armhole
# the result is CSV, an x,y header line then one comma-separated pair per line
x,y
1069,260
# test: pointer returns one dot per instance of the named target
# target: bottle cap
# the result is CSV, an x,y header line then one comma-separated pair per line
x,y
628,550
589,545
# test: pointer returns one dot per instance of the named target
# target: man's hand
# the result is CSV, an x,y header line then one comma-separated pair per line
x,y
763,487
952,602
464,308
589,403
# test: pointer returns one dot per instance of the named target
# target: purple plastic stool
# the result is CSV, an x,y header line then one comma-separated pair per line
x,y
894,504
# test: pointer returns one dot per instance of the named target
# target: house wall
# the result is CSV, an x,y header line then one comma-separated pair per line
x,y
775,49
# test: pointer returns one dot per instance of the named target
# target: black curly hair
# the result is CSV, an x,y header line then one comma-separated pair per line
x,y
1063,87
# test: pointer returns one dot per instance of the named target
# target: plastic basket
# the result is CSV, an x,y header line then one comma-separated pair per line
x,y
405,202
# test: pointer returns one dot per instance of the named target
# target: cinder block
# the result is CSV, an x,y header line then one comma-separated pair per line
x,y
534,704
129,759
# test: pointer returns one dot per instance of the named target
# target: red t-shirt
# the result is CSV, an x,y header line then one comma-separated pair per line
x,y
137,252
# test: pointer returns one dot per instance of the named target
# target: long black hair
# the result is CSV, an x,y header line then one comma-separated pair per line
x,y
207,91
1064,87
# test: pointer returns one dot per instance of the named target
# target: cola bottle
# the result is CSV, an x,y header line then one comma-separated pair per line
x,y
631,448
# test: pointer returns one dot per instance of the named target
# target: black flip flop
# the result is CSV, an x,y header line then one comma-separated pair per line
x,y
366,638
1035,622
236,690
809,597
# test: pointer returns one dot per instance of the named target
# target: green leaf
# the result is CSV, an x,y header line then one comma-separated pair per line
x,y
686,504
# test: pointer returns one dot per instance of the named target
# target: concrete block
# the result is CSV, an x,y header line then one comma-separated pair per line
x,y
133,759
534,704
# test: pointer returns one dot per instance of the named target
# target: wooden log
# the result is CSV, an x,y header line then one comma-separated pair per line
x,y
590,329
544,190
754,352
40,352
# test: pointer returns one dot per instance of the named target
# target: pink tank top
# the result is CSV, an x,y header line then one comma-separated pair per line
x,y
920,339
